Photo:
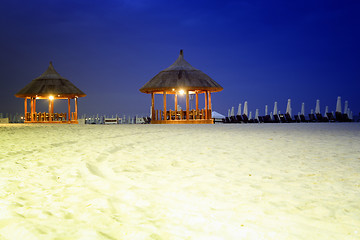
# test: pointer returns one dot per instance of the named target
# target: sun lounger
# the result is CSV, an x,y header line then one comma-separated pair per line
x,y
288,118
303,119
320,118
312,117
330,117
282,118
245,118
239,118
233,119
267,119
276,118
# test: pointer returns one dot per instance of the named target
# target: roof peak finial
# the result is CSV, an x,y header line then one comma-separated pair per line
x,y
181,52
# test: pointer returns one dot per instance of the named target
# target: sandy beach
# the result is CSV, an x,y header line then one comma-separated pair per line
x,y
243,181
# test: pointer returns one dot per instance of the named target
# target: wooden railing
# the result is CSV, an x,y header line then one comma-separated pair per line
x,y
49,117
181,115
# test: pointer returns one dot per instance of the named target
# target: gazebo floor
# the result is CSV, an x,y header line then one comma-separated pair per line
x,y
70,122
194,121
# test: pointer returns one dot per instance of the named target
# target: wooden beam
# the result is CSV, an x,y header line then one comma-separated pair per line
x,y
50,110
164,93
34,105
187,104
32,108
209,103
25,107
152,106
69,114
176,106
197,101
206,105
76,108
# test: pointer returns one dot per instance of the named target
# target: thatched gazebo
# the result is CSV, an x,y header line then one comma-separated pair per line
x,y
50,85
181,78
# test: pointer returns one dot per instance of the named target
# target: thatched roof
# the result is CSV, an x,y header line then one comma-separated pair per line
x,y
50,83
181,75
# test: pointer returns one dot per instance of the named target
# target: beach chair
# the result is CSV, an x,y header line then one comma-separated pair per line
x,y
346,118
276,119
297,118
239,118
330,117
288,118
282,118
340,117
312,117
245,118
261,119
303,119
233,119
267,119
320,118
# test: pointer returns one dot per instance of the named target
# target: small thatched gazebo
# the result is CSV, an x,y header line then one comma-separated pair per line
x,y
181,78
50,85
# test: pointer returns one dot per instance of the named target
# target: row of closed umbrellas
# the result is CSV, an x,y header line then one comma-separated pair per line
x,y
231,112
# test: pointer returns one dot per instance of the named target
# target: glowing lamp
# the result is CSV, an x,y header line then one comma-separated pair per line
x,y
181,92
51,97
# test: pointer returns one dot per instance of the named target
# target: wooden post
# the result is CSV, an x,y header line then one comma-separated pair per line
x,y
32,109
76,109
164,105
152,106
34,105
187,104
176,106
197,101
50,110
206,105
25,107
69,115
209,103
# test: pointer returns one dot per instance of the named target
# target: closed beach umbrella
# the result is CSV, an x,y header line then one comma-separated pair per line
x,y
312,111
346,106
271,116
250,115
246,108
303,109
257,114
275,108
326,111
288,107
266,110
229,113
338,104
317,107
232,112
239,110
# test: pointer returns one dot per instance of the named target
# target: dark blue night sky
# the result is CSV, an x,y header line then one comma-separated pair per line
x,y
259,51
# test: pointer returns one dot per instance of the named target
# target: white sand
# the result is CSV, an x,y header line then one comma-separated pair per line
x,y
259,181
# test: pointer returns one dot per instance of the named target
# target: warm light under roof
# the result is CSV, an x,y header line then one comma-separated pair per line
x,y
51,97
181,91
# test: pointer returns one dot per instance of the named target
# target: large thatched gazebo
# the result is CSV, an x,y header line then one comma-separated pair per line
x,y
181,78
50,86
